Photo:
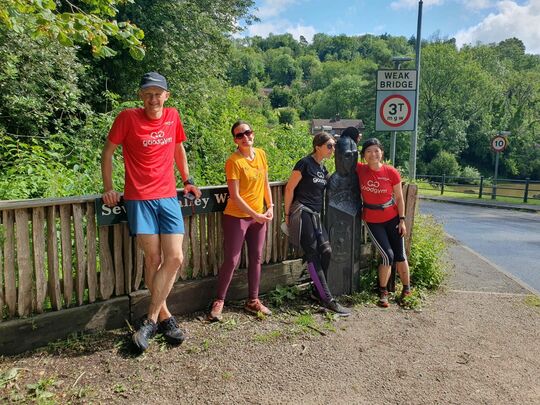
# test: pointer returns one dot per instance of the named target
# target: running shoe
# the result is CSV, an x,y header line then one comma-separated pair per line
x,y
142,337
383,299
215,311
171,331
255,306
336,307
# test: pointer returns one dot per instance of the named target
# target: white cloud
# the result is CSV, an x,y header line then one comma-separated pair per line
x,y
400,4
510,20
282,26
477,4
273,8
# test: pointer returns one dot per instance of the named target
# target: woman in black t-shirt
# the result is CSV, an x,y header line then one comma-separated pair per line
x,y
304,200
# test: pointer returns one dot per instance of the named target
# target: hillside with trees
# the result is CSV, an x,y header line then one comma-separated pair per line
x,y
66,72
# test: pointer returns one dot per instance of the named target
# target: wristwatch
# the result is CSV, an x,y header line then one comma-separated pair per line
x,y
402,218
189,180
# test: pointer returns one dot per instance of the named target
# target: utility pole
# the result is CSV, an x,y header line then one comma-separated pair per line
x,y
414,136
398,60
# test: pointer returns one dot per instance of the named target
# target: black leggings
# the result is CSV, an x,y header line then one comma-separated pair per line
x,y
387,240
317,256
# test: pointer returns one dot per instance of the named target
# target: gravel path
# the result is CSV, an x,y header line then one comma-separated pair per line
x,y
469,345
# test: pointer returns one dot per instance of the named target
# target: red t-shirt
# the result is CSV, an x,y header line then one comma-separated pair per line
x,y
148,148
377,188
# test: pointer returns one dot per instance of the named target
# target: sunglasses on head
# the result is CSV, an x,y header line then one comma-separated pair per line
x,y
240,135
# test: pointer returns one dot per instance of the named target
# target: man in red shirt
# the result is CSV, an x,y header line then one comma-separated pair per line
x,y
152,139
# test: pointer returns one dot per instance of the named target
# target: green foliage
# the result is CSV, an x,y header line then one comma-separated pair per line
x,y
56,100
268,336
281,97
40,390
244,67
305,320
470,175
428,250
282,295
39,83
283,70
88,22
530,300
444,163
187,41
287,116
8,376
342,97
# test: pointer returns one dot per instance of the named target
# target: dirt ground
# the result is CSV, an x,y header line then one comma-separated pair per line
x,y
468,345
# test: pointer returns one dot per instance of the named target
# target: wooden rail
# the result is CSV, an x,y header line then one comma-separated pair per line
x,y
54,256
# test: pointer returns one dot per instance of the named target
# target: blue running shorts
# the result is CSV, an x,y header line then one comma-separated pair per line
x,y
154,217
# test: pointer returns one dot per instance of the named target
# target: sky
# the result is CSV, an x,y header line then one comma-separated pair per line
x,y
469,21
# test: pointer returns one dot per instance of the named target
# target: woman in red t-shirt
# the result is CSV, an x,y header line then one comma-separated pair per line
x,y
384,215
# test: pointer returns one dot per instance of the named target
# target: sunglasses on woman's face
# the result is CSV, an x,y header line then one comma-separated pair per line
x,y
330,145
240,135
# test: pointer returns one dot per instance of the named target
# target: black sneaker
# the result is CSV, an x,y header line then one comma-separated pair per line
x,y
171,331
336,307
142,337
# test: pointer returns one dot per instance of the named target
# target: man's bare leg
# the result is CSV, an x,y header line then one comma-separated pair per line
x,y
163,258
151,246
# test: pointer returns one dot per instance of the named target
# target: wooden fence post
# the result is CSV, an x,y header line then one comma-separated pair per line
x,y
526,192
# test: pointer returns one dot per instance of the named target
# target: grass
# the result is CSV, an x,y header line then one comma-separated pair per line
x,y
532,300
268,337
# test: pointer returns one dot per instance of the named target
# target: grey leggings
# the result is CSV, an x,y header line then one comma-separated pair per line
x,y
317,254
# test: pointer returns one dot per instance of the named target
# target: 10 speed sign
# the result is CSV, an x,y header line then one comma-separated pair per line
x,y
498,143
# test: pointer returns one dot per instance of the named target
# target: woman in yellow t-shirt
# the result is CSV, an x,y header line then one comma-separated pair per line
x,y
248,210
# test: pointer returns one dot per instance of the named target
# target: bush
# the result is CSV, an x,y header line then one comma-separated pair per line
x,y
428,250
287,116
470,175
444,163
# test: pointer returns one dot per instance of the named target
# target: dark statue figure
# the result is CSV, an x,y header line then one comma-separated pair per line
x,y
343,216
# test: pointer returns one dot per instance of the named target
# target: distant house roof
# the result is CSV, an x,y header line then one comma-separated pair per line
x,y
265,91
335,125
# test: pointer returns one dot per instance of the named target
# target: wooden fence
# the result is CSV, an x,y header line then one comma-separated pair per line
x,y
54,256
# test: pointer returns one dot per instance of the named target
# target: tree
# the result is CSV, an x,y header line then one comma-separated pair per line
x,y
283,70
39,86
281,97
444,163
342,97
455,96
245,66
88,22
187,41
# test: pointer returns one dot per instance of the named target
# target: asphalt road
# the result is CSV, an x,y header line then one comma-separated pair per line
x,y
508,238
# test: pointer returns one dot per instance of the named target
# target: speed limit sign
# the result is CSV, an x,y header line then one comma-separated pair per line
x,y
498,143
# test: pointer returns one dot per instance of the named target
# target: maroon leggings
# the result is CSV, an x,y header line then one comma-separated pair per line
x,y
235,231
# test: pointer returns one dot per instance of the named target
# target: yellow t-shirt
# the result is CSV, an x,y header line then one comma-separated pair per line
x,y
251,178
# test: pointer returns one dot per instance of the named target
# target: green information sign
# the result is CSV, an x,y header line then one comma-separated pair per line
x,y
213,199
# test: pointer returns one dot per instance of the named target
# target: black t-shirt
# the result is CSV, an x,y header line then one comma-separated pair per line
x,y
310,189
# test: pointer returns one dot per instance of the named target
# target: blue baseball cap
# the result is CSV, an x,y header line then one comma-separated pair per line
x,y
153,79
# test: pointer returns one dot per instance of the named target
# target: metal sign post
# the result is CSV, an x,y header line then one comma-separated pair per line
x,y
498,145
398,60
